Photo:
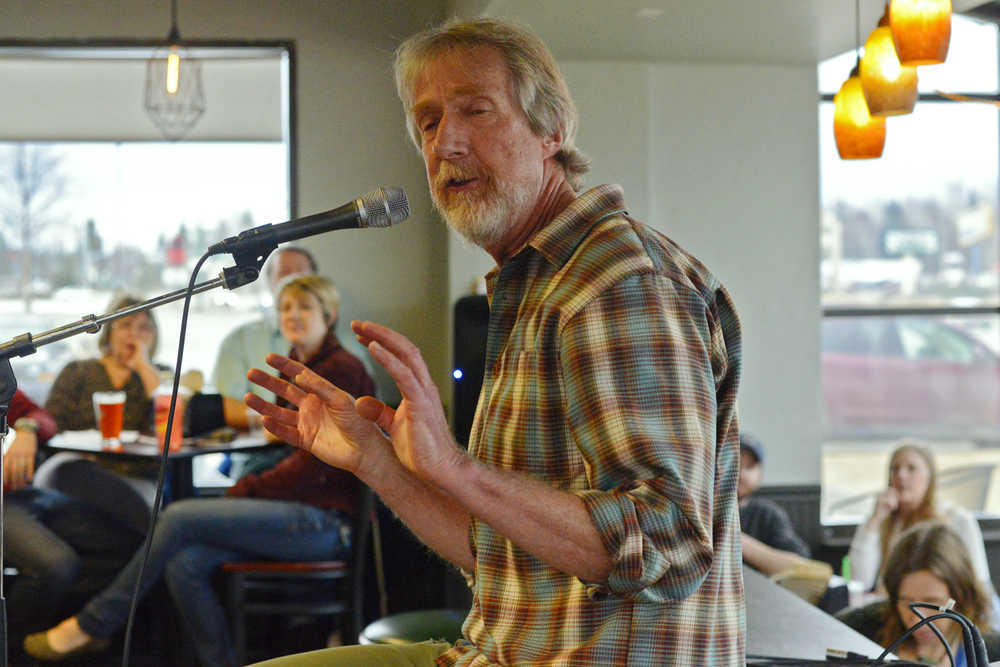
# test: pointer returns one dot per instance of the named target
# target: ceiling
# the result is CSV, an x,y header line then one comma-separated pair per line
x,y
777,32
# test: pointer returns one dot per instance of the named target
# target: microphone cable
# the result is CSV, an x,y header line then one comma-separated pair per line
x,y
975,647
969,631
148,542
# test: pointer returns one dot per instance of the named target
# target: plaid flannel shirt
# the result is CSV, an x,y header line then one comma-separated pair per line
x,y
612,365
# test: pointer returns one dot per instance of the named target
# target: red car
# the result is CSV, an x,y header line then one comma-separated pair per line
x,y
892,376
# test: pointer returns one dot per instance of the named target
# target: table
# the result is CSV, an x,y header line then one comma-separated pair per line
x,y
137,447
781,624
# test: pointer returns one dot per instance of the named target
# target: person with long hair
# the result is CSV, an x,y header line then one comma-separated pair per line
x,y
909,499
927,563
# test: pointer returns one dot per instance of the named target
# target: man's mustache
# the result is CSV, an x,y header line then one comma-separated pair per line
x,y
450,172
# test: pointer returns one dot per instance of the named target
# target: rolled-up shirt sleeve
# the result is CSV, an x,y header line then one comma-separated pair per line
x,y
640,364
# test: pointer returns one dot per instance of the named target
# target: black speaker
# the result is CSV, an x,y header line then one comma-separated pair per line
x,y
471,322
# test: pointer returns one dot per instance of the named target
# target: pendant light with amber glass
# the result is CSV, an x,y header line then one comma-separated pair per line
x,y
859,135
921,30
890,87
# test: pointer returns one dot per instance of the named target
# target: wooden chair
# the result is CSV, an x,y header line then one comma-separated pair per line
x,y
808,579
318,588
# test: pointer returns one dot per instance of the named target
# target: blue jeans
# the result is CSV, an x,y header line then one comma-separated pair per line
x,y
193,538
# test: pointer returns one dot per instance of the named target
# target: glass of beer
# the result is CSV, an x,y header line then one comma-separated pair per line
x,y
161,410
109,412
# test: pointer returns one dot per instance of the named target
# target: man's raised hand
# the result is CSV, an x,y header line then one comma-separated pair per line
x,y
326,423
418,428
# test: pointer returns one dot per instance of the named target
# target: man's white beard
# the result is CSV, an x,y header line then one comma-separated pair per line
x,y
482,217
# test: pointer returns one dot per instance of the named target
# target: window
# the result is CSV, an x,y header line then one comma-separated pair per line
x,y
94,203
910,279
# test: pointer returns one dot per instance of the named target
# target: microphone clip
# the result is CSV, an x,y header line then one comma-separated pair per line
x,y
250,250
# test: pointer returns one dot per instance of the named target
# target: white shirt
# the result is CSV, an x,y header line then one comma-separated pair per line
x,y
243,348
865,554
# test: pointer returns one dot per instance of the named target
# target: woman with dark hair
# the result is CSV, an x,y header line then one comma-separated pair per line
x,y
47,567
127,346
927,563
909,499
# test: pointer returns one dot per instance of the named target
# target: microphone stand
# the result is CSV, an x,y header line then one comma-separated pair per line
x,y
249,257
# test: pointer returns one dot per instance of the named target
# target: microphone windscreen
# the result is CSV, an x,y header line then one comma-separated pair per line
x,y
384,207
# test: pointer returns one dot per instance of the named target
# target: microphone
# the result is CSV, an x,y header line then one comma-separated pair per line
x,y
378,208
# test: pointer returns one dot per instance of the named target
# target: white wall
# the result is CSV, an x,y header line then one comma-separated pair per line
x,y
734,179
723,159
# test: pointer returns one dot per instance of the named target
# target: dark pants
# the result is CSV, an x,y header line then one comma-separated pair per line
x,y
62,548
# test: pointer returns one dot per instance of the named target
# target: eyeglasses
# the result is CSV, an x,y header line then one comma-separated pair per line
x,y
138,325
904,603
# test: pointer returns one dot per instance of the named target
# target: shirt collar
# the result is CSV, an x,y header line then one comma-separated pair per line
x,y
558,240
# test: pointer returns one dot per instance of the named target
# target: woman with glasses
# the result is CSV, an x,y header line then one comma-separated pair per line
x,y
127,346
123,490
927,563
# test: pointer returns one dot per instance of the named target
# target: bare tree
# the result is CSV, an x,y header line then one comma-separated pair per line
x,y
32,187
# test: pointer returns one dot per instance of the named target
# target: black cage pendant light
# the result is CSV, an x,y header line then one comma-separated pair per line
x,y
175,96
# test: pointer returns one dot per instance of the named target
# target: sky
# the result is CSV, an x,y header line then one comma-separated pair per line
x,y
136,191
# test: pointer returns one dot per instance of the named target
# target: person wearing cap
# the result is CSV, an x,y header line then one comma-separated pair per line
x,y
770,543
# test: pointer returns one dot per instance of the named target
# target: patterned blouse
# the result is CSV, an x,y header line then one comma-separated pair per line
x,y
71,404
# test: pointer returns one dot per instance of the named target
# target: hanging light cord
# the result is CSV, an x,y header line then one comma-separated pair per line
x,y
857,28
175,35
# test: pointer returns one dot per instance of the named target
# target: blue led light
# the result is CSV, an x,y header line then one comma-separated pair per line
x,y
457,374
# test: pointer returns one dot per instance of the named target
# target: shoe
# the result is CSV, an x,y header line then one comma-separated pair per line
x,y
38,647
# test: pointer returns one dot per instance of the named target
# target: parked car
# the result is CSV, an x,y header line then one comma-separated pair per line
x,y
908,375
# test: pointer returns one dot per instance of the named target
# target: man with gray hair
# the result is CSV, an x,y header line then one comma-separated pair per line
x,y
244,347
594,514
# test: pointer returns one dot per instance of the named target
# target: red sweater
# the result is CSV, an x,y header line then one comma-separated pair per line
x,y
22,406
300,476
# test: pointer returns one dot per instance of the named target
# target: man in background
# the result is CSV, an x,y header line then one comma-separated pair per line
x,y
247,346
770,543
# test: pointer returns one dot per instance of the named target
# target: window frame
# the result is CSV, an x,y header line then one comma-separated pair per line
x,y
106,47
290,98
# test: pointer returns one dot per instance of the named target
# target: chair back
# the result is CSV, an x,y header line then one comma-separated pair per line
x,y
316,588
362,539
